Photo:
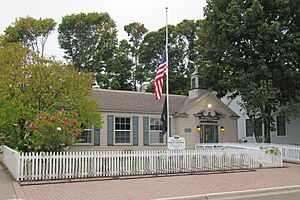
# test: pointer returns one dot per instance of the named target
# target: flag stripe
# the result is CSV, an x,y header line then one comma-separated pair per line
x,y
159,78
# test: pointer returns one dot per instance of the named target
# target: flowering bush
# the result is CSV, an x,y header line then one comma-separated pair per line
x,y
52,131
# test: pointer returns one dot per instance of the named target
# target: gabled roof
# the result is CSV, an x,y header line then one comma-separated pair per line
x,y
191,102
138,102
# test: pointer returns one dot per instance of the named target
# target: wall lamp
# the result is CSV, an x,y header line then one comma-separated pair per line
x,y
222,128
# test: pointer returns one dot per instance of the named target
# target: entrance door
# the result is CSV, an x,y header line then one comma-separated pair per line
x,y
209,134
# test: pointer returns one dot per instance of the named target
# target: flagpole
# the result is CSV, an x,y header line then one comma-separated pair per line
x,y
167,76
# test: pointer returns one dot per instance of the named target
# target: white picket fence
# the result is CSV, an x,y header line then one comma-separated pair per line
x,y
290,153
261,158
86,164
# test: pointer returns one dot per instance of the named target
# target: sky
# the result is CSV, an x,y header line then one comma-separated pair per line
x,y
151,13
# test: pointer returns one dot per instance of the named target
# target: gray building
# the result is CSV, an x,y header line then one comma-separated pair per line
x,y
132,119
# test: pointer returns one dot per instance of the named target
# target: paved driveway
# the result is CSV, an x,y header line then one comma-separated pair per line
x,y
163,187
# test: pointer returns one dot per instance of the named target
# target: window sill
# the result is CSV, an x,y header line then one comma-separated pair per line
x,y
123,144
83,144
157,144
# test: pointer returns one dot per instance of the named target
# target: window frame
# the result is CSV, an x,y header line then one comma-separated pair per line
x,y
285,127
130,131
152,131
255,127
91,137
247,127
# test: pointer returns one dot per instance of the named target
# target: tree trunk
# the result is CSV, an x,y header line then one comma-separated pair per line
x,y
267,123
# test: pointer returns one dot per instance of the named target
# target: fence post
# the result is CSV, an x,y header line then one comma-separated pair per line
x,y
18,166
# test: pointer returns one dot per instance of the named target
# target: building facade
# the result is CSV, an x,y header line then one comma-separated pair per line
x,y
286,131
132,119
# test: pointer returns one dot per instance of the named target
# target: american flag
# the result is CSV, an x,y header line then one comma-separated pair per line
x,y
159,78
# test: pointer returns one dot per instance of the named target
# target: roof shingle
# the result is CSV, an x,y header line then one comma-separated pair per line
x,y
140,102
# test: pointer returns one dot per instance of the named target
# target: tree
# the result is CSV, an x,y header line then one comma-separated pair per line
x,y
89,40
30,32
182,55
136,32
188,32
121,68
30,86
252,49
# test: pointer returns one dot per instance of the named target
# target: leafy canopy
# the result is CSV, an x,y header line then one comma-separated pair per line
x,y
88,39
30,85
252,49
30,32
183,56
136,32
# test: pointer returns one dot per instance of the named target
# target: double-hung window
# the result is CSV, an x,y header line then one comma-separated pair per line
x,y
85,137
122,130
156,136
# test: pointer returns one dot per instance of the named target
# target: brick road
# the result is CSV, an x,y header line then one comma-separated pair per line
x,y
163,187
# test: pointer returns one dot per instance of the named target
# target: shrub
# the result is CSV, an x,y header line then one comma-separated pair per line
x,y
52,131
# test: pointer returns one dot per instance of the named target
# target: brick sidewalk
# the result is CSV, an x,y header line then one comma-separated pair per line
x,y
163,187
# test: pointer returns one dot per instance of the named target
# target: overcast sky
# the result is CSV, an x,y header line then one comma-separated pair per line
x,y
149,12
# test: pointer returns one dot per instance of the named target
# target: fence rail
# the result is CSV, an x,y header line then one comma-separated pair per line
x,y
262,158
290,153
86,164
65,165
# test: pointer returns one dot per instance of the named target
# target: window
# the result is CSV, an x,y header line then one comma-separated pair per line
x,y
156,136
85,137
257,127
249,131
281,127
122,130
193,83
201,83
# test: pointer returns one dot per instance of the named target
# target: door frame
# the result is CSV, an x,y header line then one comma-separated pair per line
x,y
202,134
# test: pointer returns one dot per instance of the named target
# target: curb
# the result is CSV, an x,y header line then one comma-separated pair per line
x,y
225,195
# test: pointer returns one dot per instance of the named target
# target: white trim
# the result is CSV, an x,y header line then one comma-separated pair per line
x,y
209,94
130,131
